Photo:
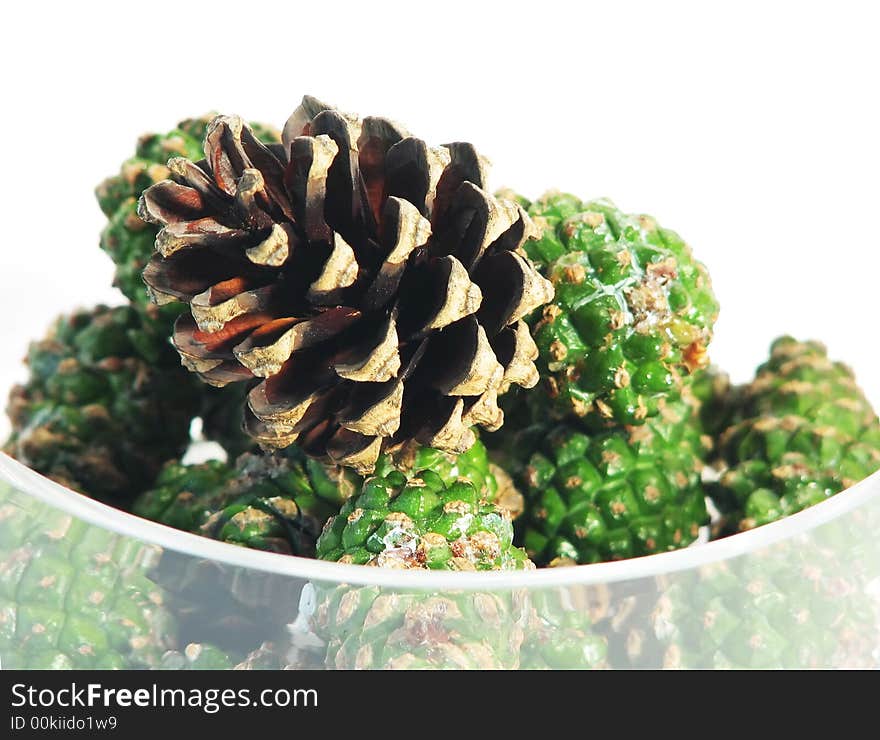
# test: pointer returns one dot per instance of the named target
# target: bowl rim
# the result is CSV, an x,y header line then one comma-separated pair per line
x,y
27,481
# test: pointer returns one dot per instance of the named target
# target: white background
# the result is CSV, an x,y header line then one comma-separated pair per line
x,y
751,128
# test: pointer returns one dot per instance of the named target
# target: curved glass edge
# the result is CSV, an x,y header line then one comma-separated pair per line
x,y
76,592
14,474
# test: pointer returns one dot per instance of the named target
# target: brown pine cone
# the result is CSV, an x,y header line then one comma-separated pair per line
x,y
367,280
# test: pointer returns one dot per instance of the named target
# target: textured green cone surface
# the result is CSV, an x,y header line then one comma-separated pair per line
x,y
106,404
74,595
127,239
184,494
633,311
421,521
803,431
808,602
267,503
369,627
491,482
560,633
800,380
785,610
617,494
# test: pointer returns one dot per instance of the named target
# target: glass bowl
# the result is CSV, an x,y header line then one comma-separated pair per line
x,y
803,592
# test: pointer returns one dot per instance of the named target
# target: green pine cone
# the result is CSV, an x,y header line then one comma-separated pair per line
x,y
802,431
617,494
421,521
105,406
75,596
262,502
127,239
633,312
372,628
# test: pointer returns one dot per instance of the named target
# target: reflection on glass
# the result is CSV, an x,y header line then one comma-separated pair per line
x,y
75,595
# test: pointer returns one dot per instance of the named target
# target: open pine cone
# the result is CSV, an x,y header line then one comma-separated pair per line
x,y
367,279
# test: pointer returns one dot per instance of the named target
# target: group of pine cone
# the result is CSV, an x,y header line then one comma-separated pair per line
x,y
406,371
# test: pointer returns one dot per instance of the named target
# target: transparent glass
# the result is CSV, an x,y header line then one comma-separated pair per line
x,y
83,584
